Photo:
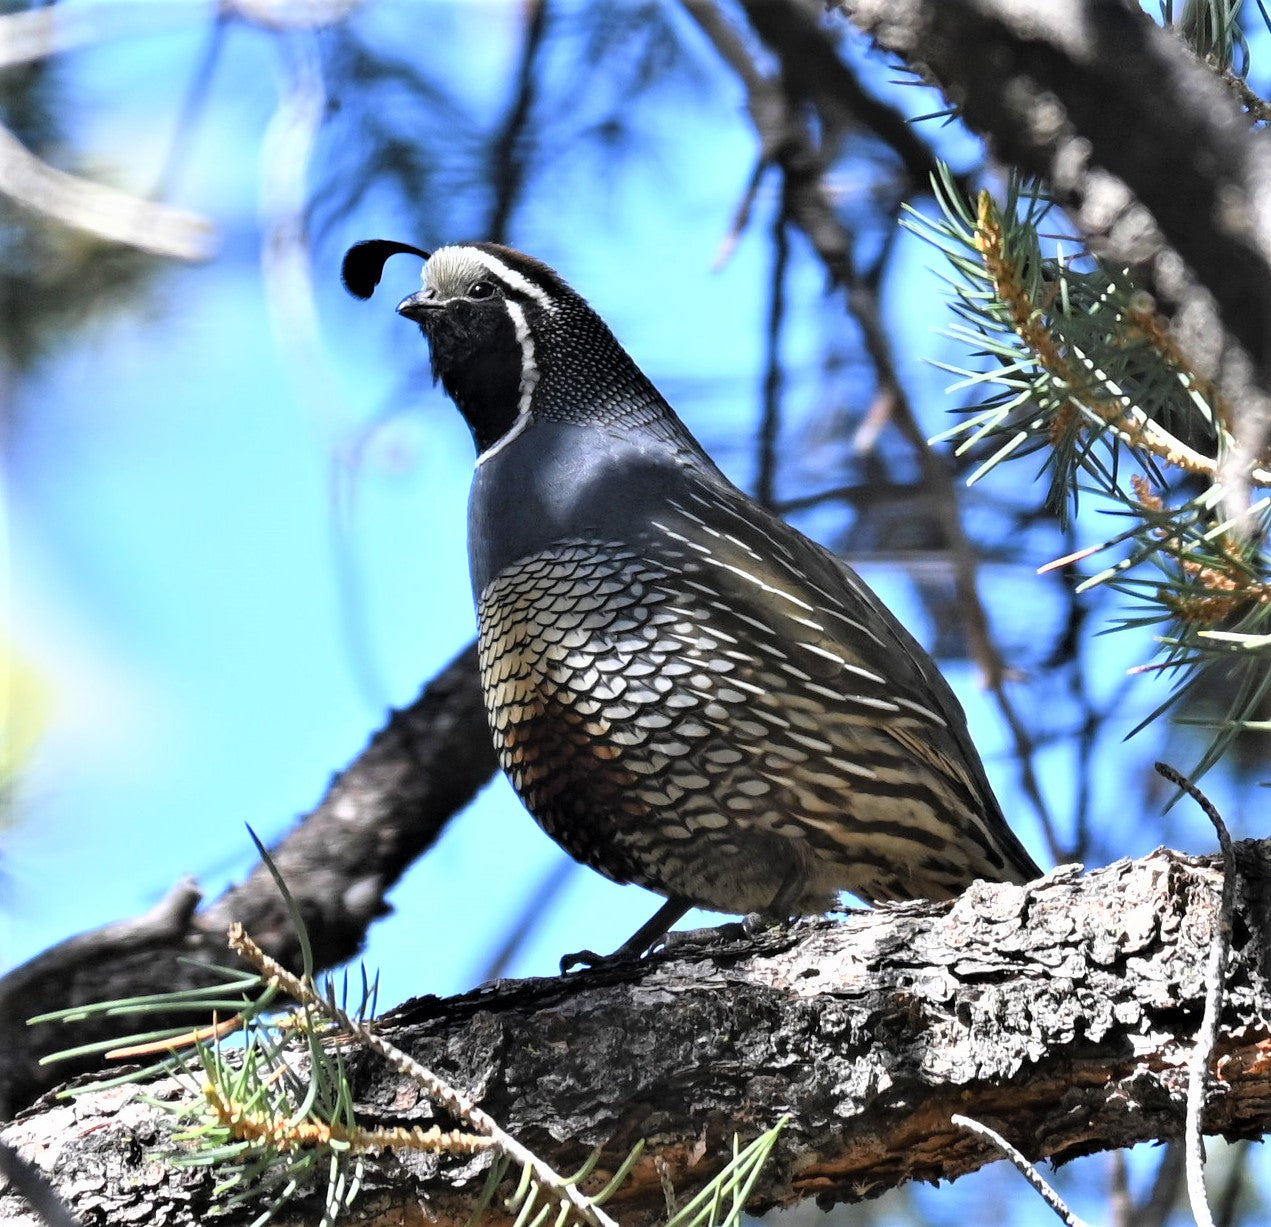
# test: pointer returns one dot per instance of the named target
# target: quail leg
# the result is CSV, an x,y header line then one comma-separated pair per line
x,y
652,931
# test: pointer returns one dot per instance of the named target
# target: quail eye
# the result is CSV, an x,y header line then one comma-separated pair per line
x,y
481,289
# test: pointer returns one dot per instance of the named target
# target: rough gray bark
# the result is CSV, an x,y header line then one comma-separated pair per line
x,y
1061,1013
383,811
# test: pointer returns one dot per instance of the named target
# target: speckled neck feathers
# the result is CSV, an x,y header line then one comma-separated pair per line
x,y
527,345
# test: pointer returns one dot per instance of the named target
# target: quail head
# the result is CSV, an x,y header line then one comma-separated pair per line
x,y
684,691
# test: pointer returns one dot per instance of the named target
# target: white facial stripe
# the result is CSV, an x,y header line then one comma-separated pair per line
x,y
529,368
511,278
529,378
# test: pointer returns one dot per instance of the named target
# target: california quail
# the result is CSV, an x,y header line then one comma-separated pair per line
x,y
685,691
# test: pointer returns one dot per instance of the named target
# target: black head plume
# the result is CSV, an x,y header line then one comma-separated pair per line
x,y
364,263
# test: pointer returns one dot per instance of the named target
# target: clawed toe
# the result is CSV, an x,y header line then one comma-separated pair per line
x,y
584,958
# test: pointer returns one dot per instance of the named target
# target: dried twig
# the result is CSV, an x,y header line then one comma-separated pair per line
x,y
1215,981
1157,1202
508,160
1227,1213
1024,1167
773,381
1120,1203
741,217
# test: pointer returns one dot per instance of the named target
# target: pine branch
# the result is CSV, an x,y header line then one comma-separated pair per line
x,y
1072,364
1070,80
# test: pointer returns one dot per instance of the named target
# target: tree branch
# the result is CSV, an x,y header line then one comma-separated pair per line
x,y
509,158
1055,87
1060,1013
387,808
813,70
101,210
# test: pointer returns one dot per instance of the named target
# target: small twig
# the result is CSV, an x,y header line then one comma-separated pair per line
x,y
1228,1213
1215,983
1024,1167
1120,1203
879,413
770,422
741,218
725,39
195,99
1156,1204
510,150
448,1096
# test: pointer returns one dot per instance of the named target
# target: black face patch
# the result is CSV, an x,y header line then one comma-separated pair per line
x,y
479,360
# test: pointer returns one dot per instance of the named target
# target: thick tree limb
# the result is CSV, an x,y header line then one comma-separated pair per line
x,y
1061,1013
383,811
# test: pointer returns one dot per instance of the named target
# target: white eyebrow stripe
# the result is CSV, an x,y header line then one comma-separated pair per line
x,y
512,279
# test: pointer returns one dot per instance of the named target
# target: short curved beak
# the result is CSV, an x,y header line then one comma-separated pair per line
x,y
418,305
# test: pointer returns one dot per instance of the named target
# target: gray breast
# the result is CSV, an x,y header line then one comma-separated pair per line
x,y
558,481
